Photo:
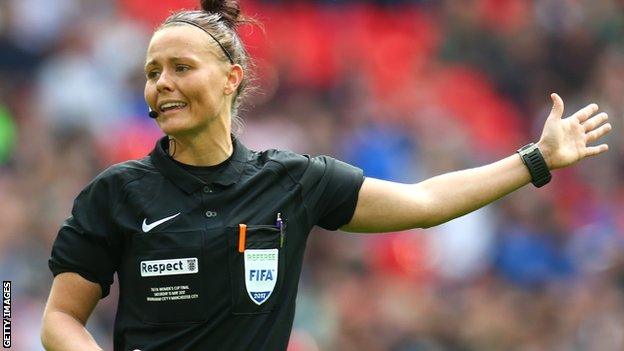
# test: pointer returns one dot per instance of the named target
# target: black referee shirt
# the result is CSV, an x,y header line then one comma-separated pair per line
x,y
174,239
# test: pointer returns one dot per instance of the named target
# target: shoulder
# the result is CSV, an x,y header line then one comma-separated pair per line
x,y
297,166
117,176
279,165
285,158
281,161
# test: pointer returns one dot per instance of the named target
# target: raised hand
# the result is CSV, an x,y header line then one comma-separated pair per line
x,y
564,141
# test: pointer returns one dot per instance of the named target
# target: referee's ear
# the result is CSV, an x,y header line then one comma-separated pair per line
x,y
234,79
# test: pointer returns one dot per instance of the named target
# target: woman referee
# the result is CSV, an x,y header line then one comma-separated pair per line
x,y
207,237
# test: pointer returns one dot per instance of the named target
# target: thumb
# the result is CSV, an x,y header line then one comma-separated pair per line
x,y
557,109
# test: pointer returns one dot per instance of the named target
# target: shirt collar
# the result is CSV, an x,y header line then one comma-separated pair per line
x,y
188,182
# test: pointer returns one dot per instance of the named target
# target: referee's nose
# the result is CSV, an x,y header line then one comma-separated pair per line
x,y
164,82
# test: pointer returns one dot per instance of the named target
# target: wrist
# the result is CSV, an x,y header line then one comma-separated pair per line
x,y
546,153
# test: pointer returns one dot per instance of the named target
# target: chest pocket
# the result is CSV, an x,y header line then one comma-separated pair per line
x,y
257,274
173,274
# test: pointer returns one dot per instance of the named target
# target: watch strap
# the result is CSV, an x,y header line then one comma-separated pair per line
x,y
534,161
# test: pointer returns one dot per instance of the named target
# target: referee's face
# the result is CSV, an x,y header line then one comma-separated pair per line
x,y
186,81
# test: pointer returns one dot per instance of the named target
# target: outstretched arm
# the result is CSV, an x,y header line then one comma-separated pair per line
x,y
387,206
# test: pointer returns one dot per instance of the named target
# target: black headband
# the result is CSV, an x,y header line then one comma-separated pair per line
x,y
212,36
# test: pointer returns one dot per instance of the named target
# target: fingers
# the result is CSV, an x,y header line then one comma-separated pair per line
x,y
594,128
595,121
557,109
583,114
598,133
596,150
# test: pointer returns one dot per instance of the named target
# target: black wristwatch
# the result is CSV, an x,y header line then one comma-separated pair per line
x,y
533,159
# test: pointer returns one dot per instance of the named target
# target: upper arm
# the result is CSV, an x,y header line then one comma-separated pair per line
x,y
73,295
329,190
88,242
384,206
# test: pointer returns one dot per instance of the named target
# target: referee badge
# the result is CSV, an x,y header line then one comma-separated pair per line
x,y
260,273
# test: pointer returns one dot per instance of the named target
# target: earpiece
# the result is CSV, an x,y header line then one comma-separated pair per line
x,y
152,114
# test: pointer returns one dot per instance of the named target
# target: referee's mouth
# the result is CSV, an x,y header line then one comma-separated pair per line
x,y
172,106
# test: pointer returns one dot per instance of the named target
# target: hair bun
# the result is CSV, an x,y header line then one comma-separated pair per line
x,y
228,9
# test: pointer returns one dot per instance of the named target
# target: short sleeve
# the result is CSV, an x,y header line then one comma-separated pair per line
x,y
331,189
86,242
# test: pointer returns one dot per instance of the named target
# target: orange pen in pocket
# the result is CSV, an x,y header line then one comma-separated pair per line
x,y
242,235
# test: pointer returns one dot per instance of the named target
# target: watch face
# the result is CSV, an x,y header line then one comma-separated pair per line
x,y
528,148
525,149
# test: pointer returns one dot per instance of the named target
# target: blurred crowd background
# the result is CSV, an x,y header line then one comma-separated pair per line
x,y
403,89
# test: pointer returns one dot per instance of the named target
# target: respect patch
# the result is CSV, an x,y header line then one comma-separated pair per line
x,y
169,267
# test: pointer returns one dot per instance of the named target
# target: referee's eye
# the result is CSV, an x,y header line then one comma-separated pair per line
x,y
152,74
182,68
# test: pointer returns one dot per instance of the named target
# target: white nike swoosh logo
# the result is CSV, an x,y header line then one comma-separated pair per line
x,y
147,227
